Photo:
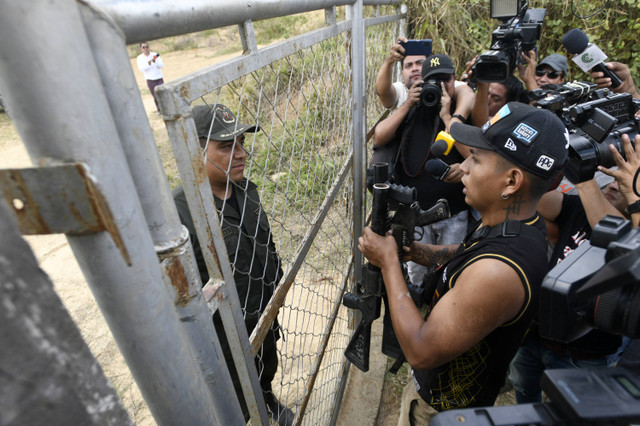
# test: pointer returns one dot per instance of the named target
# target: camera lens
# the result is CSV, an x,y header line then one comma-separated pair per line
x,y
617,311
431,94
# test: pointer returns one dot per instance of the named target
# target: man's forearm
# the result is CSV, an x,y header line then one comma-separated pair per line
x,y
431,254
384,85
596,205
387,128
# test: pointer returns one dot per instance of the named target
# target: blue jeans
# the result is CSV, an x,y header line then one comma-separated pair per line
x,y
530,362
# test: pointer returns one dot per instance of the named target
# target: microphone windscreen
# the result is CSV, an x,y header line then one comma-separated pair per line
x,y
575,41
436,168
439,147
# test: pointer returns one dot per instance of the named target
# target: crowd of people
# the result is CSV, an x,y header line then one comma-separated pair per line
x,y
511,222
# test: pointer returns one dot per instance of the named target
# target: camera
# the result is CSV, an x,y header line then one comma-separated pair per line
x,y
519,31
596,124
431,92
597,286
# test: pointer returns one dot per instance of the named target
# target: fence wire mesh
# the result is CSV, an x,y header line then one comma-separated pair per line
x,y
300,161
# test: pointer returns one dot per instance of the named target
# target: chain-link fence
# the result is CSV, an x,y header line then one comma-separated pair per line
x,y
277,242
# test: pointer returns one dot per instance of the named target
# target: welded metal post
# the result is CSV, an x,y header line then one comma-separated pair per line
x,y
358,105
170,238
61,112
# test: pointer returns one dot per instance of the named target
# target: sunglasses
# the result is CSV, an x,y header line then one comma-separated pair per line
x,y
550,74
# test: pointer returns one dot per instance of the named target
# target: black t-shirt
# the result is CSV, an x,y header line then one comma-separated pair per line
x,y
419,130
475,377
573,230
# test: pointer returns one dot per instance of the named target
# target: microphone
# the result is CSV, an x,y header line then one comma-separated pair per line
x,y
437,168
588,55
442,145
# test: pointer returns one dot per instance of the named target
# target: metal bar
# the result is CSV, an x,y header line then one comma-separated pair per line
x,y
136,136
330,16
199,83
189,159
323,345
274,305
359,125
382,19
169,236
248,37
74,123
142,20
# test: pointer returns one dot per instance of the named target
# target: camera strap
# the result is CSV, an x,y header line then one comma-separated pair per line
x,y
416,131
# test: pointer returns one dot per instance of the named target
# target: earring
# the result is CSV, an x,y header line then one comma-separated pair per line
x,y
504,196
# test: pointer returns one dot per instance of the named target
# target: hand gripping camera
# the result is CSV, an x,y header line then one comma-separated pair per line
x,y
519,31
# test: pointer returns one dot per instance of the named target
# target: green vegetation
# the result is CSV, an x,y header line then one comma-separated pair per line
x,y
463,28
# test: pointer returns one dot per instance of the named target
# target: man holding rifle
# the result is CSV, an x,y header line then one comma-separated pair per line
x,y
487,287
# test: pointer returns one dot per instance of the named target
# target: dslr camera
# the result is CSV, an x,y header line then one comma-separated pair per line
x,y
519,31
431,92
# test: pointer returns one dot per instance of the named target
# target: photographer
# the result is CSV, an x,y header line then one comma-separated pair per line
x,y
403,95
573,217
487,292
496,95
413,136
551,70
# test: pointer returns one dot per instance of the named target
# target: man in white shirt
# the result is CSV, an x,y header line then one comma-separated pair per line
x,y
150,64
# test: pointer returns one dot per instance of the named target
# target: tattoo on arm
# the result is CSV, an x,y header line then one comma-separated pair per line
x,y
426,256
513,209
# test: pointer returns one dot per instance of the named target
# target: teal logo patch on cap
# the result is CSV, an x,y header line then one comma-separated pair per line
x,y
503,112
525,133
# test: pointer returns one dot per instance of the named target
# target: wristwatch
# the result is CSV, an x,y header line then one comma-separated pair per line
x,y
633,208
459,117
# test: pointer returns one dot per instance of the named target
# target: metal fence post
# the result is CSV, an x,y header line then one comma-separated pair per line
x,y
168,235
359,125
62,115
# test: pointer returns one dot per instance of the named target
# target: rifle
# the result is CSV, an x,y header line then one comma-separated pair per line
x,y
402,201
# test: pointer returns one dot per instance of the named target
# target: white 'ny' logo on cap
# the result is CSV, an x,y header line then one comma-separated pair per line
x,y
545,163
510,145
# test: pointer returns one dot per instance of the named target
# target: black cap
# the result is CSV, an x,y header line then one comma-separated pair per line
x,y
217,122
437,64
556,61
532,138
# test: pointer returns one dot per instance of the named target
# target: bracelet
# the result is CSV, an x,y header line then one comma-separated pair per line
x,y
633,208
459,117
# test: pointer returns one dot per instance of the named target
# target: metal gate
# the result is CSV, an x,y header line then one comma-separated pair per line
x,y
87,132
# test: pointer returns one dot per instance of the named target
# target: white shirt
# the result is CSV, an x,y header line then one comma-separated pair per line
x,y
150,71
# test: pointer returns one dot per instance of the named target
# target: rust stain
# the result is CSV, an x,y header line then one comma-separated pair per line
x,y
176,273
105,217
30,220
184,91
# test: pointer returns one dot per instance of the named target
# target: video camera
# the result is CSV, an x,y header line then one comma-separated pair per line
x,y
597,286
520,31
595,119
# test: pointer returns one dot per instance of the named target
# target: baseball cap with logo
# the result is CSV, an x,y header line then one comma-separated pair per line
x,y
532,138
217,122
437,64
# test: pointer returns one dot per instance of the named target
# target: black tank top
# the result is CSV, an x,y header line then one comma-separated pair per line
x,y
474,378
